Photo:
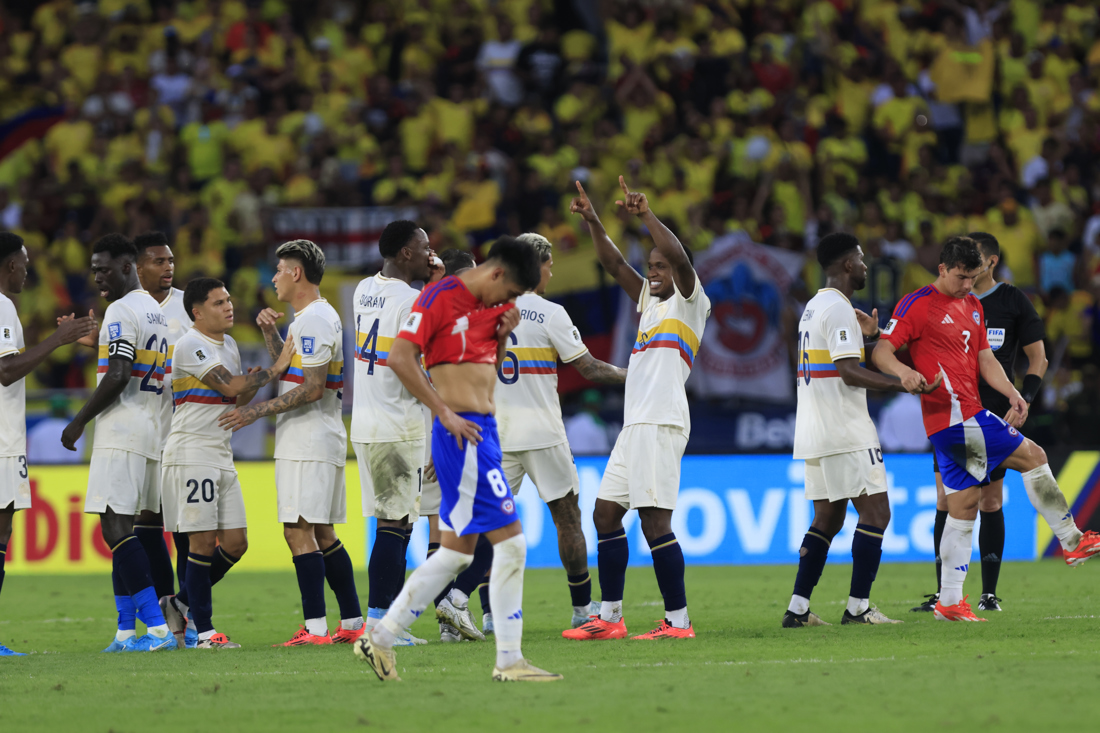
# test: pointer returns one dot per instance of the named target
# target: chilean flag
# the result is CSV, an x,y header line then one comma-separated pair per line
x,y
31,124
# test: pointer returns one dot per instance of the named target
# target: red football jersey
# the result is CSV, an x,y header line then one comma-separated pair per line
x,y
451,326
944,334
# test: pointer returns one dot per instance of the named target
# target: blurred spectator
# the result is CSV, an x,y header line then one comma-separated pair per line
x,y
44,439
586,430
1057,265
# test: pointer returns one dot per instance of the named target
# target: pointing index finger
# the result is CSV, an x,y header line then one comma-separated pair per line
x,y
622,185
580,189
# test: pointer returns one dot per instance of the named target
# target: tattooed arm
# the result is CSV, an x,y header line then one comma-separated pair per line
x,y
245,386
266,321
310,390
598,371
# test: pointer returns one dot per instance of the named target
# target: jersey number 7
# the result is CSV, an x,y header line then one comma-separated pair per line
x,y
368,352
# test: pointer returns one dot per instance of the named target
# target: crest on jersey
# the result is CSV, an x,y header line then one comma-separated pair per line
x,y
976,317
890,327
307,345
996,337
412,323
6,334
114,330
507,506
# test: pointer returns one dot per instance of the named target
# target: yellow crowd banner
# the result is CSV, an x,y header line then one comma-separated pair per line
x,y
56,536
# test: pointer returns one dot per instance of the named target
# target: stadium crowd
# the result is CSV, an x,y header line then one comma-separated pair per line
x,y
903,122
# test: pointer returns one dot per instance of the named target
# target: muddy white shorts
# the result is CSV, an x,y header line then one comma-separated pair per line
x,y
391,476
312,490
552,471
845,476
201,499
127,482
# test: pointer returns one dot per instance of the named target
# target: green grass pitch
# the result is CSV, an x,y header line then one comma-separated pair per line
x,y
1034,665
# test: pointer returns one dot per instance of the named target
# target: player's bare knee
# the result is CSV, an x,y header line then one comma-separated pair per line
x,y
202,543
607,516
829,517
874,510
991,500
655,523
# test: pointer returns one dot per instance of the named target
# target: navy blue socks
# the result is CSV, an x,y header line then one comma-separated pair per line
x,y
668,564
811,562
580,589
341,578
613,554
160,562
866,554
385,571
310,569
991,545
132,566
198,591
470,578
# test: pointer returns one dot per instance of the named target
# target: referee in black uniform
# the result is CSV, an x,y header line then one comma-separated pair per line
x,y
1011,324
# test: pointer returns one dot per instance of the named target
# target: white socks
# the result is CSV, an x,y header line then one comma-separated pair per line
x,y
421,589
161,632
352,624
204,635
1044,494
121,635
317,626
857,606
678,618
611,611
458,599
799,605
506,597
955,546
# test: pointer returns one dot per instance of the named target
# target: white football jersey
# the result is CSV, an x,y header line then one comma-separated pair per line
x,y
528,407
314,432
178,324
669,333
383,411
13,398
832,417
134,324
195,438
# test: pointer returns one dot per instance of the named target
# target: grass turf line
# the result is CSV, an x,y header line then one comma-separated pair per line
x,y
1031,664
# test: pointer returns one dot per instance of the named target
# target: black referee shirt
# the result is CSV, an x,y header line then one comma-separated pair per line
x,y
1011,323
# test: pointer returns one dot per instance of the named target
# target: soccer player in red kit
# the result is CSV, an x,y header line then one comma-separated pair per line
x,y
461,325
944,326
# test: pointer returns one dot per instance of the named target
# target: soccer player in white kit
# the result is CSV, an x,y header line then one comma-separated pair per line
x,y
532,434
201,492
387,422
16,362
155,267
643,472
124,475
310,442
834,434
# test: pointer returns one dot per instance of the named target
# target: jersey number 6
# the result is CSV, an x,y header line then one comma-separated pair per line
x,y
510,356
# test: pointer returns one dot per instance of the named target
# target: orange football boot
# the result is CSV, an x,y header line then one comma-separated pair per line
x,y
959,612
596,628
1086,548
304,638
347,636
667,631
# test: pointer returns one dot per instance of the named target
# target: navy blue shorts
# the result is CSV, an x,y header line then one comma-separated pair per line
x,y
968,453
475,494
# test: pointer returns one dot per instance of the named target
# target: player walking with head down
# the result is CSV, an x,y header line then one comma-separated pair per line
x,y
461,324
16,362
124,474
310,441
944,327
643,472
834,434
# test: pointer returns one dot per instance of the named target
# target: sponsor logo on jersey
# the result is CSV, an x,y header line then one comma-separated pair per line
x,y
307,345
946,319
996,337
6,334
200,354
114,330
412,323
842,336
976,317
576,336
890,327
462,324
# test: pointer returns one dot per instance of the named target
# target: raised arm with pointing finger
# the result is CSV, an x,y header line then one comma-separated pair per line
x,y
610,256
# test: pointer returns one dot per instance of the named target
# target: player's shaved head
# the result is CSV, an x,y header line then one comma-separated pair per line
x,y
987,243
396,236
10,243
519,260
961,253
117,246
456,260
834,247
147,240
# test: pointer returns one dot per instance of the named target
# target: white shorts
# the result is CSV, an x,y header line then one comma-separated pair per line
x,y
15,484
644,468
431,497
127,482
552,471
311,490
391,476
201,499
845,476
